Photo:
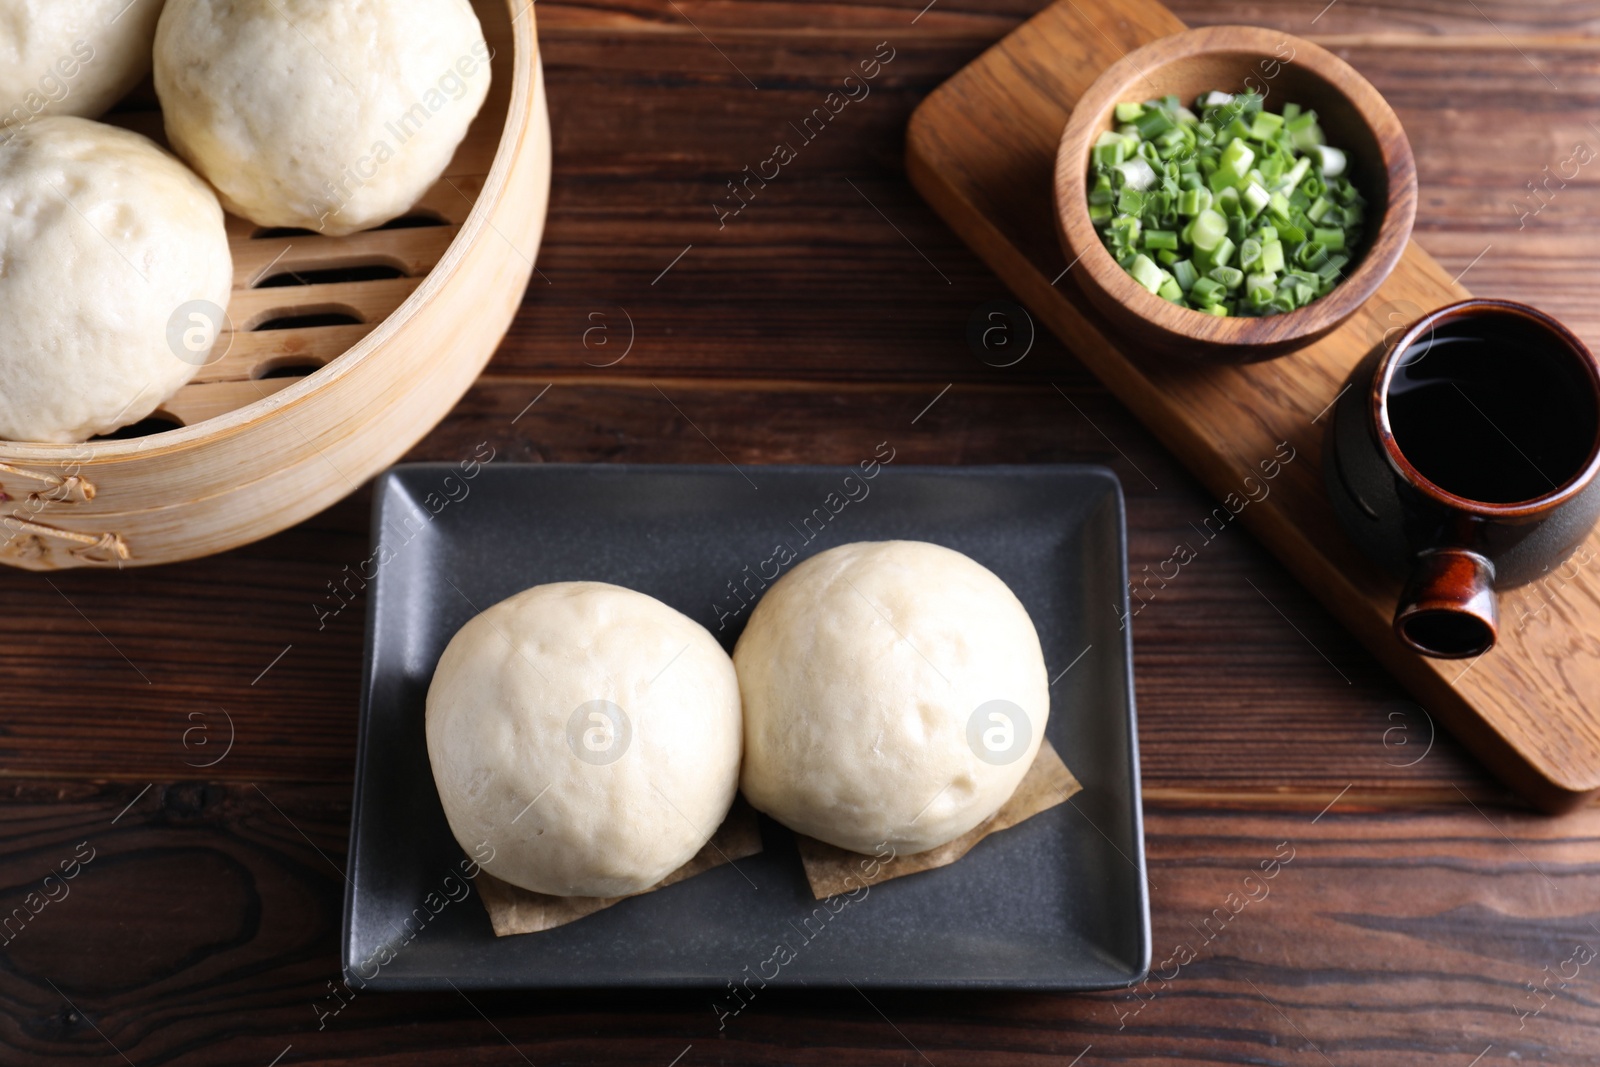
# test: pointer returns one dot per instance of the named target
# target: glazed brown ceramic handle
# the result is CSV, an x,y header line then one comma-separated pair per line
x,y
1448,607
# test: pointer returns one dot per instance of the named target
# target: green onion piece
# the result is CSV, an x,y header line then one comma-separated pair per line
x,y
1307,138
1227,201
1128,112
1152,122
1223,253
1172,139
1146,273
1235,161
1331,267
1250,254
1209,230
1299,121
1136,174
1272,255
1109,150
1254,198
1183,270
1229,278
1294,174
1332,240
1207,291
1266,126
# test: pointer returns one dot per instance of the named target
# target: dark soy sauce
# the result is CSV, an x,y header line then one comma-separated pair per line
x,y
1492,409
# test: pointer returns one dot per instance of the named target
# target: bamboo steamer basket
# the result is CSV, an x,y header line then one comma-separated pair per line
x,y
342,353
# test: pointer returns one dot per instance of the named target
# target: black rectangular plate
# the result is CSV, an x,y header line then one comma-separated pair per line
x,y
1056,903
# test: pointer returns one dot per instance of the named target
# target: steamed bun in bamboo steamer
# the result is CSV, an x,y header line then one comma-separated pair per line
x,y
334,117
71,57
114,276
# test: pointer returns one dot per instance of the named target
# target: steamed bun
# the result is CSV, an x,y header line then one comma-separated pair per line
x,y
589,735
894,693
114,273
71,57
333,117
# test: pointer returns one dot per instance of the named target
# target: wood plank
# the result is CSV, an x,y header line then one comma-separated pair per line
x,y
982,149
198,636
629,197
1437,22
1437,19
1381,938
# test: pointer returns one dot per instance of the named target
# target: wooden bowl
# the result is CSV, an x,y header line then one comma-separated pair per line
x,y
342,353
1286,69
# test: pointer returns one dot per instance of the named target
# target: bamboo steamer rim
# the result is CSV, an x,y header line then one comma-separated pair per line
x,y
524,42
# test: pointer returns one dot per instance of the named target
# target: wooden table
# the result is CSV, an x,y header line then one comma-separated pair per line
x,y
1422,918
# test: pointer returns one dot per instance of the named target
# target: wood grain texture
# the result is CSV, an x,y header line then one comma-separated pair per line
x,y
630,197
806,330
981,149
1376,938
1441,23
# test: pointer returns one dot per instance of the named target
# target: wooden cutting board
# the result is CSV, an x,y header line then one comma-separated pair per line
x,y
981,149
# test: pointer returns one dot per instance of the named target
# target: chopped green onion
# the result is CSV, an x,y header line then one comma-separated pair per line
x,y
1228,209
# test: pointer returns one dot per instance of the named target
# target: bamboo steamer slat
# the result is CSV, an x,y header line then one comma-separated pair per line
x,y
292,419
